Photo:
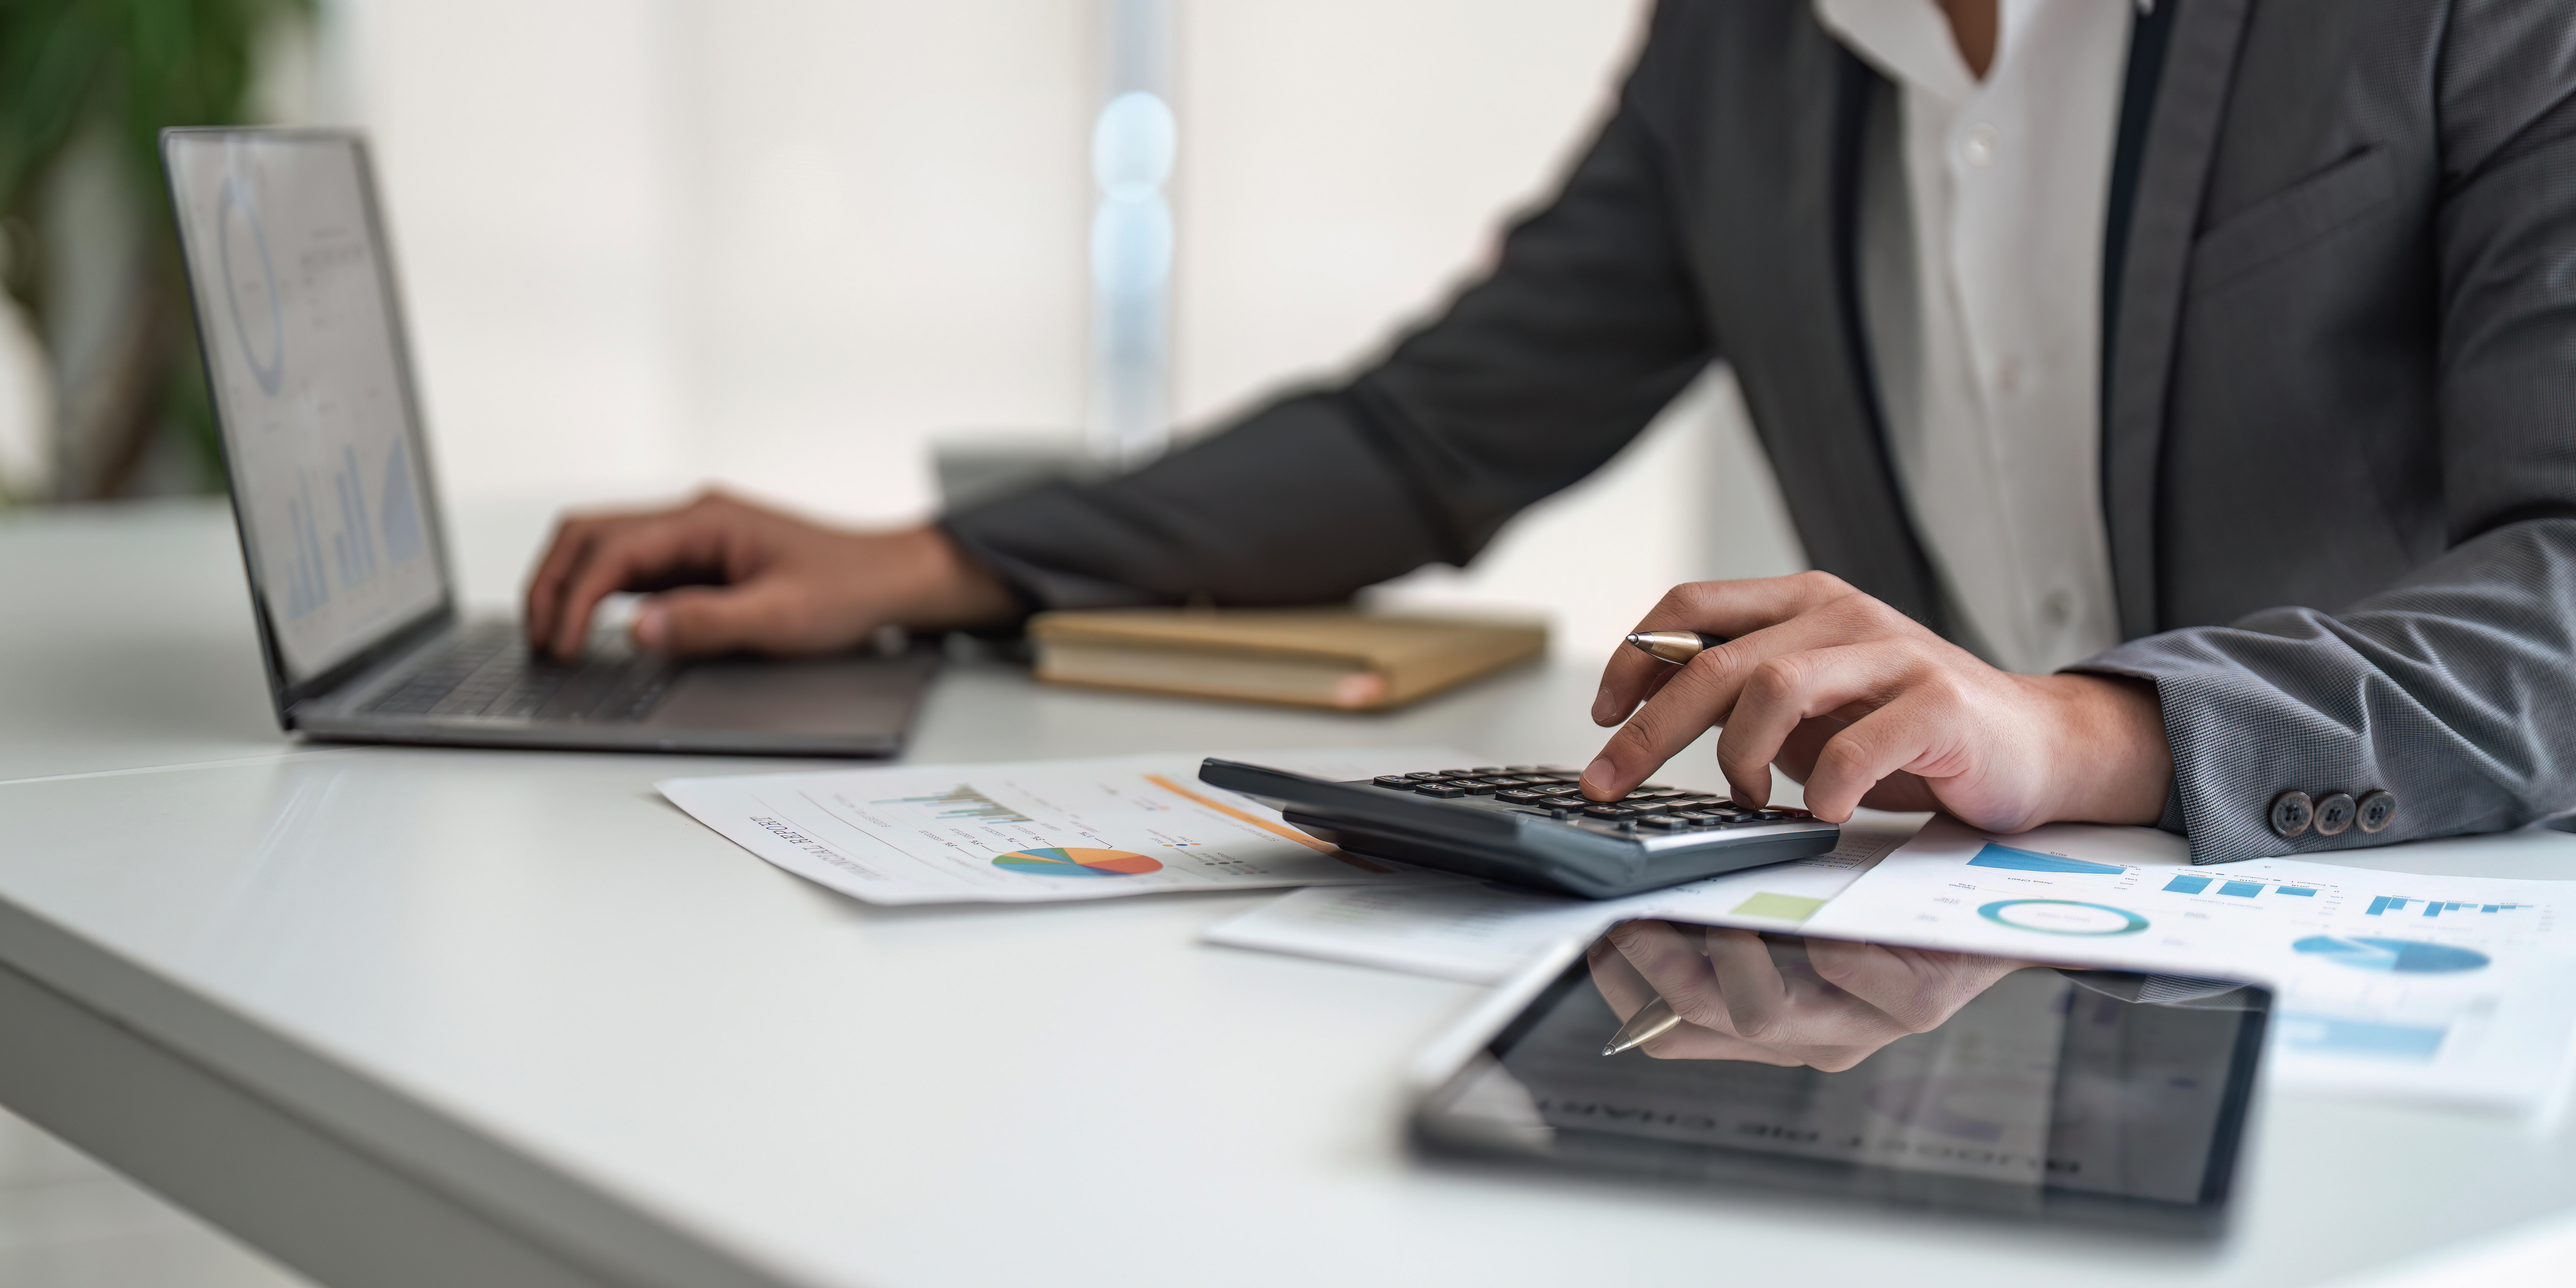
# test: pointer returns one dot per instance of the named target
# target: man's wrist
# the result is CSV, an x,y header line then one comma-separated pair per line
x,y
950,587
2112,762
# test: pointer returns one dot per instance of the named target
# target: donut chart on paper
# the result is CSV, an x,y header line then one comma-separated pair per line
x,y
2063,917
1071,861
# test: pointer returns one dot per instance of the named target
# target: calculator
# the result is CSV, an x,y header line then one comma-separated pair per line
x,y
1529,825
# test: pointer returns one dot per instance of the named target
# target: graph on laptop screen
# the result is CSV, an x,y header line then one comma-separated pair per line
x,y
302,347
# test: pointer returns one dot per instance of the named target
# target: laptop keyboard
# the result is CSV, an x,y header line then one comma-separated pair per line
x,y
487,673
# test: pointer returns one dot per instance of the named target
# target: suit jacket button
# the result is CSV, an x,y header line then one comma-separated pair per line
x,y
2334,814
2376,809
2291,813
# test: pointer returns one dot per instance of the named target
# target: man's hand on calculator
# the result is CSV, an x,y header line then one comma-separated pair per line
x,y
1867,707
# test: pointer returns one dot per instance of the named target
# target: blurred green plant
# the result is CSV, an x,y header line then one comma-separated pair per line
x,y
119,71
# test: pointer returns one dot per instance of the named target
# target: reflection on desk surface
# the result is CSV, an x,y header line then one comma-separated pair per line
x,y
2027,1081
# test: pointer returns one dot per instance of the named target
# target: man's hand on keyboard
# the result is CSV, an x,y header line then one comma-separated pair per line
x,y
737,576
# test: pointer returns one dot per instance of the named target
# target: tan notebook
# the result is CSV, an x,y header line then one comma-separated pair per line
x,y
1310,657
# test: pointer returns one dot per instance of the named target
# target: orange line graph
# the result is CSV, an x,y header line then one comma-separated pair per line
x,y
1267,826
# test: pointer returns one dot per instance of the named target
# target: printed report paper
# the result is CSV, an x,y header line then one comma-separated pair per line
x,y
1482,933
1042,831
2432,987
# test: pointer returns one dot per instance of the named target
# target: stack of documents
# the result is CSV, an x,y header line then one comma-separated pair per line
x,y
2453,989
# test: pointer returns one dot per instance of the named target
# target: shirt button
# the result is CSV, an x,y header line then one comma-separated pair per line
x,y
2375,811
2057,608
1977,146
2291,813
2334,814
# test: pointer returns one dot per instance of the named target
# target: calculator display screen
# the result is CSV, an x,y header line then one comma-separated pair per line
x,y
1901,1075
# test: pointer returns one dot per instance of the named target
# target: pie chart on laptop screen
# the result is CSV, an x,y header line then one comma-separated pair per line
x,y
1070,861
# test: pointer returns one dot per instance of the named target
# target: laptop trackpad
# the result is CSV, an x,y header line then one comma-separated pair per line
x,y
830,695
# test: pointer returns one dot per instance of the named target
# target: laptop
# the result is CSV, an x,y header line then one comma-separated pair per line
x,y
303,342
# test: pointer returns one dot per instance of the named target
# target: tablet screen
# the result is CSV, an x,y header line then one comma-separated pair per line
x,y
1905,1075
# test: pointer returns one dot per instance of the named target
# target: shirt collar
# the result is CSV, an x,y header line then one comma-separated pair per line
x,y
1908,41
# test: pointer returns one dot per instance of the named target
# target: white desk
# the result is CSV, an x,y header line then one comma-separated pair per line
x,y
434,1017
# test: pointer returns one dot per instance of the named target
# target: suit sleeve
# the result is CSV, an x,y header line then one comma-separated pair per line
x,y
2454,689
1533,377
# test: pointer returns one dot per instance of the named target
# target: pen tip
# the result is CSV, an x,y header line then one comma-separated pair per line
x,y
1609,1048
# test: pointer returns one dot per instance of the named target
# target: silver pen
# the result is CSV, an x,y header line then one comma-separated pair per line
x,y
1676,647
1653,1020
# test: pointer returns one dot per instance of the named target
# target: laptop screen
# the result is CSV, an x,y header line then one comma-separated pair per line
x,y
296,309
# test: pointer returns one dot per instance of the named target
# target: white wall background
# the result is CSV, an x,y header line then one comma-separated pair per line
x,y
782,243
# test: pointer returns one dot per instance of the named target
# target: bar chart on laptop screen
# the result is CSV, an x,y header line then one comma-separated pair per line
x,y
301,344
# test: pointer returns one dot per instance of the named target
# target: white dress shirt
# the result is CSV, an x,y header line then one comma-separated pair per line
x,y
1982,290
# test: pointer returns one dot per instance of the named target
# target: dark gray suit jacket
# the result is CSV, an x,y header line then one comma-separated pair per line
x,y
2339,458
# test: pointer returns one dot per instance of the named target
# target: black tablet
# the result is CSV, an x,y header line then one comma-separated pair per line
x,y
1873,1072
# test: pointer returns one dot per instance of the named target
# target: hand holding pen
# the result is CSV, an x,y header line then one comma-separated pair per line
x,y
1868,707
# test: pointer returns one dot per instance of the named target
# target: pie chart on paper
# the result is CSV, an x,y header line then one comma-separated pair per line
x,y
1070,861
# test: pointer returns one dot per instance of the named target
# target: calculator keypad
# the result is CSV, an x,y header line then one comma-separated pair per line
x,y
1554,792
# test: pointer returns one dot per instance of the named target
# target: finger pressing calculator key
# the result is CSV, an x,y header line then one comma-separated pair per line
x,y
1531,825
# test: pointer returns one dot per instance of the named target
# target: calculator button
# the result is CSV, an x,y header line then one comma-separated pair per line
x,y
1443,791
1607,811
1481,786
1665,823
1394,780
1522,769
1516,796
1486,769
1767,815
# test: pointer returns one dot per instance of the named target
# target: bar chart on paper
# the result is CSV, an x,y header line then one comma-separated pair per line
x,y
2381,904
2236,887
2393,956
